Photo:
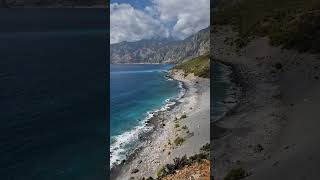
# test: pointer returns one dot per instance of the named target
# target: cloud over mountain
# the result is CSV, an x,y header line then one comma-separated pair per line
x,y
176,18
130,24
188,16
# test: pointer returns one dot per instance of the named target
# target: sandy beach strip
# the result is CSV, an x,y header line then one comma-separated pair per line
x,y
188,120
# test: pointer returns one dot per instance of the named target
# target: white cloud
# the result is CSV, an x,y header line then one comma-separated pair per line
x,y
179,18
130,24
188,16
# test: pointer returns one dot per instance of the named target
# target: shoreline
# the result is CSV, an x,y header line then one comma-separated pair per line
x,y
251,128
264,135
239,85
235,91
243,140
153,123
155,150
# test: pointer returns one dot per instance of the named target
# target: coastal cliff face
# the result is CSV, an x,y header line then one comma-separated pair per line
x,y
161,50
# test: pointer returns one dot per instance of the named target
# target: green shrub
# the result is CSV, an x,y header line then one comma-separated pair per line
x,y
235,174
199,157
184,127
183,116
178,163
179,141
205,148
161,172
176,125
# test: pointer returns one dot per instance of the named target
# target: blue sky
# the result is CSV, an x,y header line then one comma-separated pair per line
x,y
133,20
139,4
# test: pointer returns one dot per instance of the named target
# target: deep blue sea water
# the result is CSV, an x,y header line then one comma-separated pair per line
x,y
53,65
136,90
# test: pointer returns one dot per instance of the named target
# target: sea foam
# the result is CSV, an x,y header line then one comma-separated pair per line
x,y
121,146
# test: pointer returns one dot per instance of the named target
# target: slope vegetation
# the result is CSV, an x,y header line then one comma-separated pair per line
x,y
290,23
199,66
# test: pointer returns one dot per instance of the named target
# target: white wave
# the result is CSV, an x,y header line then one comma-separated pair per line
x,y
119,150
182,91
120,147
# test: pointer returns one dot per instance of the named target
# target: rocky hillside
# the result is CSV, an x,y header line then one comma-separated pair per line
x,y
161,50
199,66
196,171
292,24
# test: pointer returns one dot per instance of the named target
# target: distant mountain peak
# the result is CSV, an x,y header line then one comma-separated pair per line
x,y
161,49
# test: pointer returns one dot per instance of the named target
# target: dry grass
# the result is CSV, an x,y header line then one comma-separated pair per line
x,y
199,171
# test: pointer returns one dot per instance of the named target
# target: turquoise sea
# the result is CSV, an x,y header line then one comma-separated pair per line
x,y
136,90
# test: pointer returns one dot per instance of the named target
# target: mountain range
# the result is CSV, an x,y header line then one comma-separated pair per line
x,y
161,50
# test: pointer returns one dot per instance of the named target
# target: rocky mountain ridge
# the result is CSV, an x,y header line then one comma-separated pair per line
x,y
161,50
